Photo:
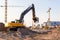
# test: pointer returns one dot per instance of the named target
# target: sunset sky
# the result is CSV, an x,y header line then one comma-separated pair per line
x,y
41,8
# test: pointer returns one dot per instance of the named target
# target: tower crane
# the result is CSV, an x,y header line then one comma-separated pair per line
x,y
5,20
48,21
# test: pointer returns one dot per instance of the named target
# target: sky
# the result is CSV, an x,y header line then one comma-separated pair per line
x,y
41,8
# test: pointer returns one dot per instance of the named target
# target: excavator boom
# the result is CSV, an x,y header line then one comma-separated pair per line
x,y
26,11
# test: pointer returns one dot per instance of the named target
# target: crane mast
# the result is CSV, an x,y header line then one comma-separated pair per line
x,y
49,16
5,11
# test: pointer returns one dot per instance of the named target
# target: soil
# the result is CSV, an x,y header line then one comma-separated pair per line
x,y
25,34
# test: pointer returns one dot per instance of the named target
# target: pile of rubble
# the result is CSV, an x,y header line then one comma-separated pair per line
x,y
25,34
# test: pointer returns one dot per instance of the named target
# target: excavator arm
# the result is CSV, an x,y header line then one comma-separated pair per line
x,y
26,11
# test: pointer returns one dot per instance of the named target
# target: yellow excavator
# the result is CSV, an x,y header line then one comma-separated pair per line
x,y
14,25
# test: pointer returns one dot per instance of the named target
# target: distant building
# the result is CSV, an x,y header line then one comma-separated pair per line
x,y
52,23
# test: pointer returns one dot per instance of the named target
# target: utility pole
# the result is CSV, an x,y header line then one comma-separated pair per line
x,y
5,11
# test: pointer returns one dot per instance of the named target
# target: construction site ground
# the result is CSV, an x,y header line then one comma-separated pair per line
x,y
25,34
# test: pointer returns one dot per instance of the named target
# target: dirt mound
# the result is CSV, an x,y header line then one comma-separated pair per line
x,y
25,34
